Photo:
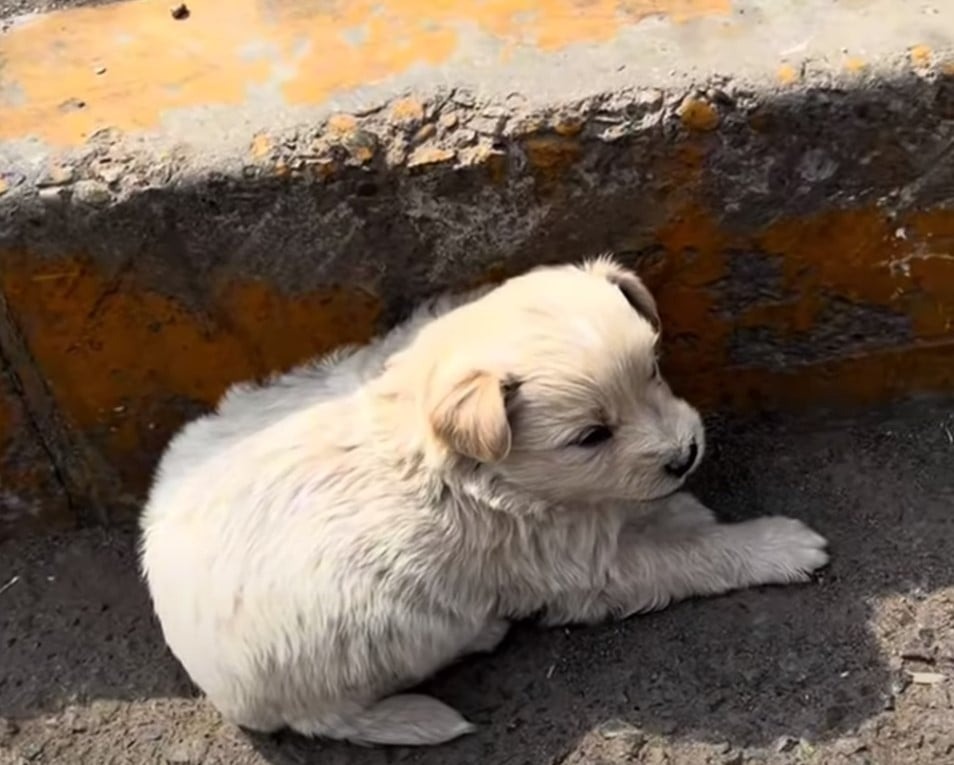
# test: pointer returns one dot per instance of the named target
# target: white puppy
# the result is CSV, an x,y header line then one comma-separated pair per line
x,y
336,536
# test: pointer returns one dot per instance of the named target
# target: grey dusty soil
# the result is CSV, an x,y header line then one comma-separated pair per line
x,y
857,667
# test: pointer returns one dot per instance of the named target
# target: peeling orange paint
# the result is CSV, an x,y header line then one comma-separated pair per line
x,y
853,255
286,330
126,364
119,356
857,381
52,85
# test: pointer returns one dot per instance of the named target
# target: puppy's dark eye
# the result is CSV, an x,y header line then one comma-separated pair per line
x,y
593,436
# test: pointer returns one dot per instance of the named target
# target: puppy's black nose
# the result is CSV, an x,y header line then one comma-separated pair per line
x,y
684,462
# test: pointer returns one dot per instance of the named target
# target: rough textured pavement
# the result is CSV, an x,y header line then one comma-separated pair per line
x,y
855,668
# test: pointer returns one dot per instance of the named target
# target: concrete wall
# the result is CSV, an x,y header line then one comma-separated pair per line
x,y
185,204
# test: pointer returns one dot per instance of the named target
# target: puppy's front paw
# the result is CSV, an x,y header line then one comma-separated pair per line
x,y
782,550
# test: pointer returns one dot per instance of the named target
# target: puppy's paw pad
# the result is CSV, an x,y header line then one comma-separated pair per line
x,y
786,550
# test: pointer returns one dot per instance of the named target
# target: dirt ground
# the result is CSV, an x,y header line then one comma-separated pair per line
x,y
857,667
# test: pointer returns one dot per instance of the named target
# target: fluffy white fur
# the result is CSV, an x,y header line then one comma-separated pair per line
x,y
323,542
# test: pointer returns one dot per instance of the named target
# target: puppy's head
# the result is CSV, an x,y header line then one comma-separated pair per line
x,y
551,381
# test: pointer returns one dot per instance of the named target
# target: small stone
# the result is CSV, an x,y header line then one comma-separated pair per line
x,y
150,733
651,99
361,146
698,115
617,728
806,749
407,112
186,752
615,133
51,194
110,173
849,745
655,755
785,744
430,155
488,125
396,153
449,120
496,111
10,180
180,12
481,154
927,678
464,137
91,192
425,132
100,70
342,124
58,175
734,758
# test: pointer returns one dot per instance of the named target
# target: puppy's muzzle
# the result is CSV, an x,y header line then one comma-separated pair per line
x,y
686,460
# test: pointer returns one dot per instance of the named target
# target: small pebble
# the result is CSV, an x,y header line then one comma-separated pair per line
x,y
927,678
785,744
180,12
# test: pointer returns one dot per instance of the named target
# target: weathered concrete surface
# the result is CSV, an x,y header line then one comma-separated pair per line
x,y
184,204
813,675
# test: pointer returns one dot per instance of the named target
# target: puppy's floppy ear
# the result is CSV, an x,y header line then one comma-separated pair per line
x,y
468,413
629,284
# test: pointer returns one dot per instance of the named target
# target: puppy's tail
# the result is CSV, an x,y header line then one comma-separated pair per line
x,y
403,720
409,720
